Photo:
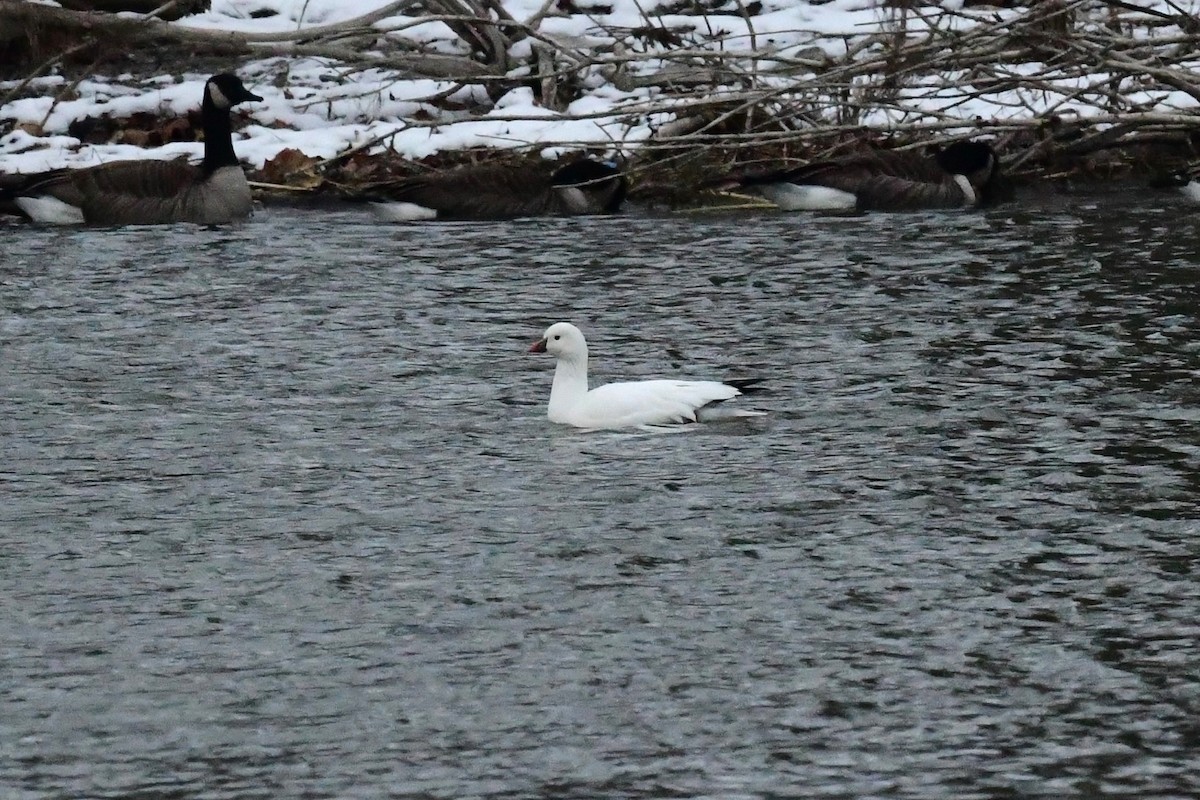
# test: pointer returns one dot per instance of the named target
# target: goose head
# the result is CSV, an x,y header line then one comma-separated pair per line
x,y
600,185
1187,184
225,91
1186,181
978,164
972,159
562,340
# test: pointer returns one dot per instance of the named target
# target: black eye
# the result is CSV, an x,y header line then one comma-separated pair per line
x,y
557,337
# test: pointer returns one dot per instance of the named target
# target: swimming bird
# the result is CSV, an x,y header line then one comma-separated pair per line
x,y
960,175
1191,190
148,192
1186,181
584,186
650,403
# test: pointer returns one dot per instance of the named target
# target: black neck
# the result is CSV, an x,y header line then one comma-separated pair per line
x,y
218,136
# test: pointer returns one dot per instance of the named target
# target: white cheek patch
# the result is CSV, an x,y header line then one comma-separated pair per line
x,y
218,97
969,196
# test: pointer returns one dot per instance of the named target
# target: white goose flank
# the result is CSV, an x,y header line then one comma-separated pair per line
x,y
646,404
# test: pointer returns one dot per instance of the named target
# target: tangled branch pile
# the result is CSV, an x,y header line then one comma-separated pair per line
x,y
1065,86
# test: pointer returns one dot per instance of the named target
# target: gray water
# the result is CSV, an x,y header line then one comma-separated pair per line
x,y
283,517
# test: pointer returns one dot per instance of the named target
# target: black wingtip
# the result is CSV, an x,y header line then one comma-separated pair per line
x,y
747,385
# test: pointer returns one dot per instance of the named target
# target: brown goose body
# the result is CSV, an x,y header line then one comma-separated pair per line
x,y
148,192
495,192
964,174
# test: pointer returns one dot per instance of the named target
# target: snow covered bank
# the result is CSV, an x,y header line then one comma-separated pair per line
x,y
616,75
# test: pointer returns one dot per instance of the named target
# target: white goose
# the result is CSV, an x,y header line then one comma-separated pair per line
x,y
632,404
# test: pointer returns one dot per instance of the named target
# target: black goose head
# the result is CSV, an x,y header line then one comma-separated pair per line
x,y
225,91
602,181
978,162
1171,180
968,158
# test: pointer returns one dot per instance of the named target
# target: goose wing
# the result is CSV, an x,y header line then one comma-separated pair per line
x,y
897,193
886,180
655,402
849,172
117,192
138,178
103,183
477,193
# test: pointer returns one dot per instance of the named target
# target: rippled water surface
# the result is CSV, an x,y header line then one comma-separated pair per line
x,y
282,515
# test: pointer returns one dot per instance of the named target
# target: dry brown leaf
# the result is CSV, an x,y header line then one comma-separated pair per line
x,y
134,137
291,167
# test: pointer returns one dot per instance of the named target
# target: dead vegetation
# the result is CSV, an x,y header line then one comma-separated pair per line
x,y
1087,87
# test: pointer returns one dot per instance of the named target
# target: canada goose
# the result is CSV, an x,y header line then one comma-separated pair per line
x,y
631,404
147,192
494,192
1190,189
1185,181
963,174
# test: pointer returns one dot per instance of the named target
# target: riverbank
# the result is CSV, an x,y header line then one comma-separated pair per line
x,y
358,94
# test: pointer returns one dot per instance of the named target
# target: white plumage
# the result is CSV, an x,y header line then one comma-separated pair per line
x,y
50,210
403,212
1191,190
628,404
801,197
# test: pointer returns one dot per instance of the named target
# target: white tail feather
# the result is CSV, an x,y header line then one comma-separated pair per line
x,y
719,411
50,210
403,212
799,197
